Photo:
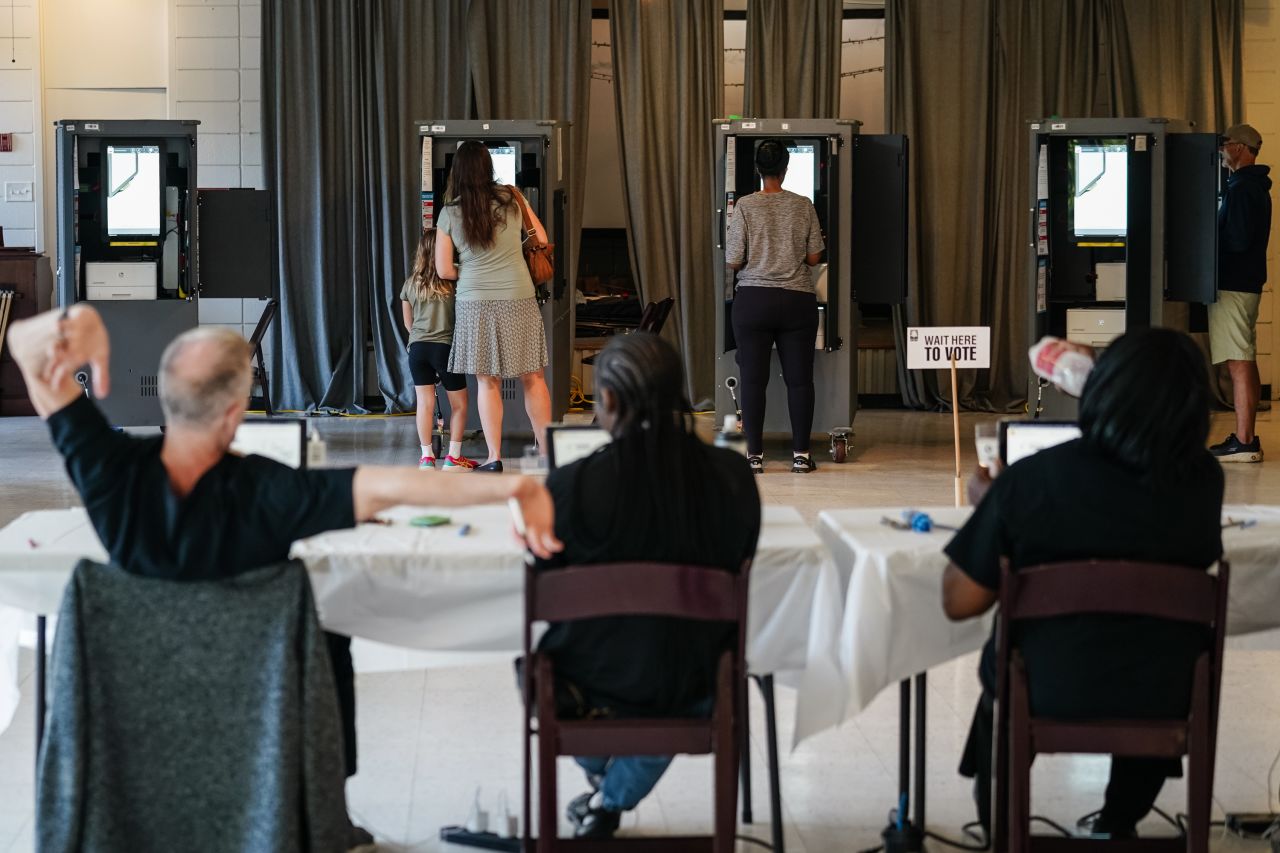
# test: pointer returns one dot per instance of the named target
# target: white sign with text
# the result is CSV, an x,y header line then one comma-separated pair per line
x,y
934,347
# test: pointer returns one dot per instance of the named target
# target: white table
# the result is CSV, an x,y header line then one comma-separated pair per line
x,y
431,589
894,628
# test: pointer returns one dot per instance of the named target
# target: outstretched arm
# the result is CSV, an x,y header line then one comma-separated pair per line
x,y
376,488
49,348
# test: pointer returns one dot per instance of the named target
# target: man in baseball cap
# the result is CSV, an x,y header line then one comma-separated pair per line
x,y
1244,224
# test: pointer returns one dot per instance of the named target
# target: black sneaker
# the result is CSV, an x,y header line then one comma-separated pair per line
x,y
598,823
1234,450
803,465
492,467
757,464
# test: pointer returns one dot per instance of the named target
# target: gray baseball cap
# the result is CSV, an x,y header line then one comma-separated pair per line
x,y
1245,134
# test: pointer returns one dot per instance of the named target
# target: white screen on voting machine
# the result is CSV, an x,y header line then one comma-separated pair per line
x,y
504,164
1025,439
133,190
800,171
1101,204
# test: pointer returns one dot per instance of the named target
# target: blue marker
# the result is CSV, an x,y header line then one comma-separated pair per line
x,y
464,530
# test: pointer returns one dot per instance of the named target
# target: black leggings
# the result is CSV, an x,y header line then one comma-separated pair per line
x,y
763,317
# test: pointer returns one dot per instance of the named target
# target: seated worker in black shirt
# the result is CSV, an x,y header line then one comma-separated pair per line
x,y
180,506
656,493
1139,485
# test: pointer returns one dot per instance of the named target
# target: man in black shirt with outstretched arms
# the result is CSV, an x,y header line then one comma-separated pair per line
x,y
181,506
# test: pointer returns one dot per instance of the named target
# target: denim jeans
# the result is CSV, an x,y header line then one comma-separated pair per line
x,y
628,779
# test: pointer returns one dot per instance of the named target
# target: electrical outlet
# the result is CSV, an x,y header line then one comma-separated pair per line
x,y
17,191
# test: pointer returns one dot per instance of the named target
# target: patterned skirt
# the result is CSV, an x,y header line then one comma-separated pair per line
x,y
498,337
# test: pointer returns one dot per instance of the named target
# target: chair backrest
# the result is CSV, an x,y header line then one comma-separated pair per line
x,y
264,323
655,316
165,684
1115,587
635,589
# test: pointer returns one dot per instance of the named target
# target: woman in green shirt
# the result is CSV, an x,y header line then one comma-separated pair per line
x,y
498,330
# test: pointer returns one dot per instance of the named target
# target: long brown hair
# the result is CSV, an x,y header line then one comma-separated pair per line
x,y
424,276
483,203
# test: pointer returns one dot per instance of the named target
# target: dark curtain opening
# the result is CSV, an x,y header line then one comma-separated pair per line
x,y
668,73
793,58
964,77
342,85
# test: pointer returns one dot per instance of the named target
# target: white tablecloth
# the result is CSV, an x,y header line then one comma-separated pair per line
x,y
433,589
894,627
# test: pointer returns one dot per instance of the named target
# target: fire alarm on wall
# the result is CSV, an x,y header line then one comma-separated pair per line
x,y
6,141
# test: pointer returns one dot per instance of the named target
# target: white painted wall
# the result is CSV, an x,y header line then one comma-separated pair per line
x,y
1262,110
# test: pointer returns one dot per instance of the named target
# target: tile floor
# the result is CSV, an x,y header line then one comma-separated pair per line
x,y
428,739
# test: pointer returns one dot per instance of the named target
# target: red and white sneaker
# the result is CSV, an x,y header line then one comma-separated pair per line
x,y
457,463
427,462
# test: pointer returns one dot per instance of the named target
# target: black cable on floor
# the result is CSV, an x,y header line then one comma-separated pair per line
x,y
1053,824
750,840
1176,824
872,849
950,842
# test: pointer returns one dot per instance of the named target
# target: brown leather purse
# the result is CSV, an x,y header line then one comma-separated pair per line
x,y
540,257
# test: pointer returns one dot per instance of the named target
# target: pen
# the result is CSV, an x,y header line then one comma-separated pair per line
x,y
464,530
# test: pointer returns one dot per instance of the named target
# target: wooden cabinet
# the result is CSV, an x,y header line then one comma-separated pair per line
x,y
27,275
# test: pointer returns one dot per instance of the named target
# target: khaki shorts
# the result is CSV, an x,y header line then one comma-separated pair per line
x,y
1232,336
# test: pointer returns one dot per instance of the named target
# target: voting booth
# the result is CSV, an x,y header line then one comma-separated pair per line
x,y
1122,222
858,185
126,242
535,157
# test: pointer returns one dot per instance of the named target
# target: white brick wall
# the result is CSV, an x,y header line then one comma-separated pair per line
x,y
215,48
215,53
20,114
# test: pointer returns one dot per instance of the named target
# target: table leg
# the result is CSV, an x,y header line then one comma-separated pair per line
x,y
921,721
904,740
40,685
904,835
744,763
775,780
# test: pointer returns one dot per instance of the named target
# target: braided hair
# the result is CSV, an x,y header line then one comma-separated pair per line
x,y
663,468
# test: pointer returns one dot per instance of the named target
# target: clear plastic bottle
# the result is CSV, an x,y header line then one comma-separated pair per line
x,y
1061,363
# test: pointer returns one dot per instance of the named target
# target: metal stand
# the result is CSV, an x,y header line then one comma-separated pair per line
x,y
765,683
907,834
40,686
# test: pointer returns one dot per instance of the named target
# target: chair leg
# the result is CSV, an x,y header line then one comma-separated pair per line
x,y
1019,752
727,738
547,752
1199,763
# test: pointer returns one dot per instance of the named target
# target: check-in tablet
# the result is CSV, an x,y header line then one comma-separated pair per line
x,y
567,444
281,439
1020,439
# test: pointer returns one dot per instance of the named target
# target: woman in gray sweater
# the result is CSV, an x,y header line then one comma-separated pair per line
x,y
774,237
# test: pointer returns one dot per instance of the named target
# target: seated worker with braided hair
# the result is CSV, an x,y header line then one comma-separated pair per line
x,y
656,493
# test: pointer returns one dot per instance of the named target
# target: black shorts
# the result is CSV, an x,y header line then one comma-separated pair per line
x,y
429,364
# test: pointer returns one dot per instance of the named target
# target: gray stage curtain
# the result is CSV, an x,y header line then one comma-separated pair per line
x,y
532,59
342,85
793,58
668,78
963,79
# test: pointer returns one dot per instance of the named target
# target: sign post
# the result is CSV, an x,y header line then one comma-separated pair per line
x,y
940,347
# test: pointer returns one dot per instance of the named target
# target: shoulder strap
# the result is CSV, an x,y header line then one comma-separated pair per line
x,y
524,209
